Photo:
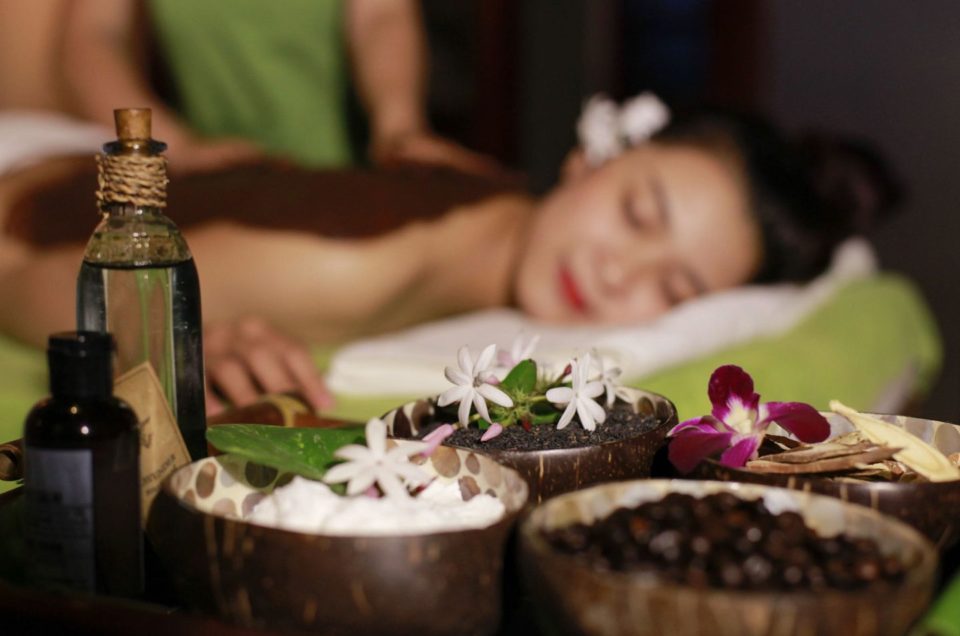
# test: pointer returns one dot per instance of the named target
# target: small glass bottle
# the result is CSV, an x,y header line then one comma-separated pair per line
x,y
82,475
138,279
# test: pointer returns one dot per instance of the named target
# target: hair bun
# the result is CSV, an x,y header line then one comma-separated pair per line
x,y
856,187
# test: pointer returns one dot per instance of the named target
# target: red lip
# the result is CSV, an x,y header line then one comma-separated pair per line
x,y
570,290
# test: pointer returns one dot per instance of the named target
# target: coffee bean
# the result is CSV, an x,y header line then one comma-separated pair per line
x,y
744,546
867,569
575,538
700,545
701,509
758,570
666,545
726,501
892,568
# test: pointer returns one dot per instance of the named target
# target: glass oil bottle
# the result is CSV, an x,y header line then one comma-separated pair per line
x,y
138,279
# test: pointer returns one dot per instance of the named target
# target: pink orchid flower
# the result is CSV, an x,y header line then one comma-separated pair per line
x,y
738,422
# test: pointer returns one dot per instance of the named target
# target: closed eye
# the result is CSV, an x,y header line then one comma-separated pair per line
x,y
638,214
631,214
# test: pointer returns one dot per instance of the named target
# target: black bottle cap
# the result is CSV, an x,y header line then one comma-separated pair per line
x,y
81,364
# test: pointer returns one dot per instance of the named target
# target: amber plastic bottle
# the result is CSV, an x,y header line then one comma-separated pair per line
x,y
82,475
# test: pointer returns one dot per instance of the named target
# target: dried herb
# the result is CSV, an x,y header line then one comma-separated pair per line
x,y
914,452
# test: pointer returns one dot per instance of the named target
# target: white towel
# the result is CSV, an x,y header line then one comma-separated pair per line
x,y
411,362
28,137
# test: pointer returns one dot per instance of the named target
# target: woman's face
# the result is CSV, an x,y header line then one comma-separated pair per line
x,y
657,226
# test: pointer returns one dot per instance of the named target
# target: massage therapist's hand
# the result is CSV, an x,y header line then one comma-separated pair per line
x,y
426,147
247,358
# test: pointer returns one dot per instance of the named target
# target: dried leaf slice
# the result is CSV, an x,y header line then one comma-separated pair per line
x,y
785,442
917,454
887,470
818,452
829,465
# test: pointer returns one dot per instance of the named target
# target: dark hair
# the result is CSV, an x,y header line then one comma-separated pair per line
x,y
808,194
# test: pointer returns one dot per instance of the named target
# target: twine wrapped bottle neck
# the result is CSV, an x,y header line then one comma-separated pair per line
x,y
136,179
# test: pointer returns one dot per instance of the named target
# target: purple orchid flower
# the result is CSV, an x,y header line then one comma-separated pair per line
x,y
738,422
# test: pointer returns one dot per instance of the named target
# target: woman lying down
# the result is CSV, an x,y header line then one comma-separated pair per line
x,y
286,256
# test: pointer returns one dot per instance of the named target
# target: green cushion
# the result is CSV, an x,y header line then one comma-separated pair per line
x,y
943,617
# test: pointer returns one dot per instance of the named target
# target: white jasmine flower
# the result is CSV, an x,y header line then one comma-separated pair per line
x,y
599,130
579,397
374,464
472,386
521,349
642,117
610,379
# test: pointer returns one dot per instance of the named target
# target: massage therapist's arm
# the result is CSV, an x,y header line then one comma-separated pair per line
x,y
100,74
388,48
387,45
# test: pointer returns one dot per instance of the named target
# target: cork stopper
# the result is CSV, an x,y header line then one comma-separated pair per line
x,y
131,169
133,124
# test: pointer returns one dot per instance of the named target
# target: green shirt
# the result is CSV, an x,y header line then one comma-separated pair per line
x,y
272,71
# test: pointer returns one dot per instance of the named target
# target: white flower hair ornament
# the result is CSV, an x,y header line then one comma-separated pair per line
x,y
605,129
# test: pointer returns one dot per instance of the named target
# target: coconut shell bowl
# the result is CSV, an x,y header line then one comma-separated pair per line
x,y
575,596
931,507
256,576
551,472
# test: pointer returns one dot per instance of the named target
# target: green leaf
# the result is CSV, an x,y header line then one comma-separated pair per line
x,y
522,378
545,408
304,451
548,418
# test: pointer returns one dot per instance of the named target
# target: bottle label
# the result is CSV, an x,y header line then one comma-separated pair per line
x,y
162,450
59,516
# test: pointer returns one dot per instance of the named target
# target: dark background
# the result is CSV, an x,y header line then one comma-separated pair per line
x,y
509,77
